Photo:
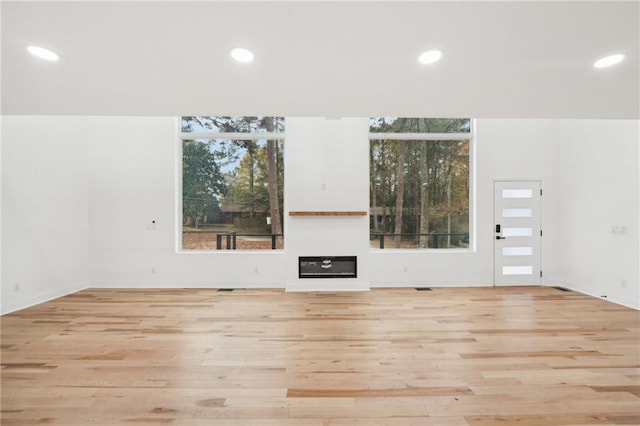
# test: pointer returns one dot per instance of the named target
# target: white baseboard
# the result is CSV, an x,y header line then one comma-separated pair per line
x,y
628,303
328,284
182,284
434,284
292,287
41,298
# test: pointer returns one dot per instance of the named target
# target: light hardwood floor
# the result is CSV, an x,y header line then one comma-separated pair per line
x,y
482,356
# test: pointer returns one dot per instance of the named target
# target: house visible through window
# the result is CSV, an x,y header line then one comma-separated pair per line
x,y
232,183
419,182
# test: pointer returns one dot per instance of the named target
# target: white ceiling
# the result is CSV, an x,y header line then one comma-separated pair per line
x,y
501,59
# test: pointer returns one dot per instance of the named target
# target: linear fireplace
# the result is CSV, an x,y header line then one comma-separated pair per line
x,y
327,267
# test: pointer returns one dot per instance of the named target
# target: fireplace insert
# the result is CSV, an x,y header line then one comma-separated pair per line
x,y
327,267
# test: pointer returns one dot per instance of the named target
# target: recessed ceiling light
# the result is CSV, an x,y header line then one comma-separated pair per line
x,y
241,54
430,56
43,53
608,61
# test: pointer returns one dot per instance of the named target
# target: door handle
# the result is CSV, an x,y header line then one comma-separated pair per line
x,y
498,237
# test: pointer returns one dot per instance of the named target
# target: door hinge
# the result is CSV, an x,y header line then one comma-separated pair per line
x,y
541,192
540,273
541,233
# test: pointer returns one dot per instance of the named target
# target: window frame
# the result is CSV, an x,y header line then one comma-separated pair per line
x,y
471,136
180,138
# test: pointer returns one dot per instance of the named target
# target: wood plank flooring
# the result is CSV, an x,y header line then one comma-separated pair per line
x,y
472,356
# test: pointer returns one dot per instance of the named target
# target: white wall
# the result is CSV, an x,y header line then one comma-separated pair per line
x,y
133,182
103,180
327,168
1,210
133,179
600,185
44,209
505,149
522,150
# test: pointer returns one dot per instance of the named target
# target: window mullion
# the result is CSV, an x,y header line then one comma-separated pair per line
x,y
420,136
233,135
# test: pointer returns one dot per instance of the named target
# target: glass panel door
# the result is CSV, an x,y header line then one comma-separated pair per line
x,y
517,233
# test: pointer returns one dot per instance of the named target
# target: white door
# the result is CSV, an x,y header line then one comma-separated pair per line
x,y
517,234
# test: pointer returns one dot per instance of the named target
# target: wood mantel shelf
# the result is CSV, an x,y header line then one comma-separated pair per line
x,y
327,213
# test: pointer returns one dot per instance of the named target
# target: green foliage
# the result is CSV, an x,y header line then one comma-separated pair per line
x,y
435,179
419,125
249,187
202,183
222,124
241,172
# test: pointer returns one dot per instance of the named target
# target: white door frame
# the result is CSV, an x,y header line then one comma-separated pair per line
x,y
530,265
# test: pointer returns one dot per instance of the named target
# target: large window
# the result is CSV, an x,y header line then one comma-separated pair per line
x,y
419,182
232,183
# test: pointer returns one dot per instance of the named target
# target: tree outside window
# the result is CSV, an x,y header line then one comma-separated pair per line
x,y
232,183
419,182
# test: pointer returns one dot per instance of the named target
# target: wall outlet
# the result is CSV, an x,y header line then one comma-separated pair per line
x,y
405,269
256,270
619,229
153,270
623,283
16,287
